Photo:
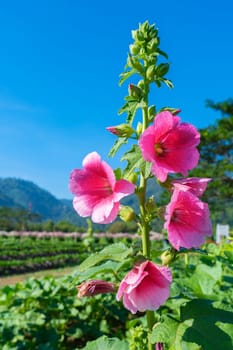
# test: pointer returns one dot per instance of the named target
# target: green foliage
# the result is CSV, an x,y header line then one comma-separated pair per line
x,y
216,162
104,343
46,314
200,304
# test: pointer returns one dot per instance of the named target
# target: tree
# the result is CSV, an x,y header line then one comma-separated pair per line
x,y
216,162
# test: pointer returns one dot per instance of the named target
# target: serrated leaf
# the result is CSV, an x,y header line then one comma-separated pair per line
x,y
130,107
136,162
105,343
118,143
125,75
115,252
204,279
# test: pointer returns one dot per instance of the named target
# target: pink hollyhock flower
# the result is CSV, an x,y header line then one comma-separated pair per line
x,y
145,287
159,346
93,287
187,220
170,145
97,193
195,185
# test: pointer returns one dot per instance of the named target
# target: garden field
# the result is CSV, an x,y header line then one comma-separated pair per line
x,y
45,314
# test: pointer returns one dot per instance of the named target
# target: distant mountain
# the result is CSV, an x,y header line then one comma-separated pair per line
x,y
18,193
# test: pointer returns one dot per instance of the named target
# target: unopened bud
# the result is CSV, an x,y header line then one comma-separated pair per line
x,y
93,287
122,130
139,128
126,213
150,204
159,346
134,49
168,257
141,84
150,72
135,91
133,177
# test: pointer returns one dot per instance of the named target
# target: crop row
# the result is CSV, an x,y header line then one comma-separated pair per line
x,y
27,254
38,263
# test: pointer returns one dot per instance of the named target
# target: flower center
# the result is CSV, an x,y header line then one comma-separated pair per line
x,y
159,150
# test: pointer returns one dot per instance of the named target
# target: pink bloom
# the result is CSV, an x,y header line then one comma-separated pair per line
x,y
97,193
170,145
145,287
159,346
93,287
187,220
195,185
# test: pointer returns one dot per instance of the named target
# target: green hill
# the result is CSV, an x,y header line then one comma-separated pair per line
x,y
18,193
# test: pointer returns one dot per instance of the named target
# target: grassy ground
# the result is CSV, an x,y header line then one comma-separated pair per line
x,y
4,281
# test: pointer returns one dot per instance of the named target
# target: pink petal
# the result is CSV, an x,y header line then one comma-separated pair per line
x,y
93,163
195,185
123,188
105,211
148,295
147,143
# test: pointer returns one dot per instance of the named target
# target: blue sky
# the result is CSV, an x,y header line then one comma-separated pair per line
x,y
59,70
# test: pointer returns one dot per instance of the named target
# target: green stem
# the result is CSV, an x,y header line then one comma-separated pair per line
x,y
145,225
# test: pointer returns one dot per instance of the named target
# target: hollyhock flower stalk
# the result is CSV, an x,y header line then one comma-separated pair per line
x,y
97,192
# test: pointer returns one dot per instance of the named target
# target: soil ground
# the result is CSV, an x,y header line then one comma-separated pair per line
x,y
5,281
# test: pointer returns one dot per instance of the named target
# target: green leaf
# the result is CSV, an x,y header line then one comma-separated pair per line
x,y
136,162
130,107
204,326
204,279
170,332
115,252
106,267
162,53
118,143
168,83
125,75
105,343
162,69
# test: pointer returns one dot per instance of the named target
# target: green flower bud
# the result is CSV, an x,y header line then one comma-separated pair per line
x,y
126,214
168,257
162,69
134,49
122,130
139,128
135,91
150,72
134,63
150,204
141,84
132,178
